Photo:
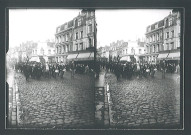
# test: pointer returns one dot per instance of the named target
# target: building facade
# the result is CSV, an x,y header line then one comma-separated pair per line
x,y
163,39
116,49
154,41
75,40
133,50
172,37
23,52
103,53
63,41
44,52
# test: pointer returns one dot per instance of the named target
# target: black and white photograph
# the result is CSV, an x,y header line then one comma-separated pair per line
x,y
50,68
139,65
100,69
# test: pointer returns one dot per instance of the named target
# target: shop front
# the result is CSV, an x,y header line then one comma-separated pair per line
x,y
161,57
82,59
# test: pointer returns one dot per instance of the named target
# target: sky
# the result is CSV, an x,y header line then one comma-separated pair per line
x,y
36,24
128,24
112,25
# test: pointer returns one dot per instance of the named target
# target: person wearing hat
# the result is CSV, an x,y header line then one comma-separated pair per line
x,y
72,68
163,68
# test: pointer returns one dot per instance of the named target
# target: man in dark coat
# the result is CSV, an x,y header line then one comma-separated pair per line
x,y
163,68
26,71
62,70
72,67
117,71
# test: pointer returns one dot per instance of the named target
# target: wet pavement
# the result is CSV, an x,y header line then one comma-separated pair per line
x,y
101,102
57,103
145,102
75,104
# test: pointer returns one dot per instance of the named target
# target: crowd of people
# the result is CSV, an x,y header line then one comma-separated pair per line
x,y
36,70
128,69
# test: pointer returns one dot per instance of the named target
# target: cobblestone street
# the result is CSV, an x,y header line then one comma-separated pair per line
x,y
145,102
57,103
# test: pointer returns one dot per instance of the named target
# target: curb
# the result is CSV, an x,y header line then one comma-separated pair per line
x,y
14,107
104,110
111,121
18,104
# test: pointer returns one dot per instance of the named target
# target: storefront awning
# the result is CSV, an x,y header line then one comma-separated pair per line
x,y
85,56
37,59
91,55
162,56
125,58
174,55
72,56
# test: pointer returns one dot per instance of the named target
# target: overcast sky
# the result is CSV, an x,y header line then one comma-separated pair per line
x,y
36,24
40,24
129,24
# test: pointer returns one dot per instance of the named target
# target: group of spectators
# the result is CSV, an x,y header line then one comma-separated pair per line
x,y
128,69
36,70
172,68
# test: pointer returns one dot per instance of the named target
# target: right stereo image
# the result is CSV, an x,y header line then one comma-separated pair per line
x,y
139,69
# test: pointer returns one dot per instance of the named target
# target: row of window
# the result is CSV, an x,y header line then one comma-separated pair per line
x,y
42,51
169,21
78,22
169,34
75,47
63,49
170,46
132,51
80,19
161,47
155,37
151,58
60,59
79,47
155,26
63,38
78,35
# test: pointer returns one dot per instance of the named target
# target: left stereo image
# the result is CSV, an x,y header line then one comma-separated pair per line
x,y
50,68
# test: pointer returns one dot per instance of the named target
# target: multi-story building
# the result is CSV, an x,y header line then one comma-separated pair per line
x,y
172,37
63,40
128,51
103,53
163,39
113,52
75,40
154,41
116,49
133,51
44,52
